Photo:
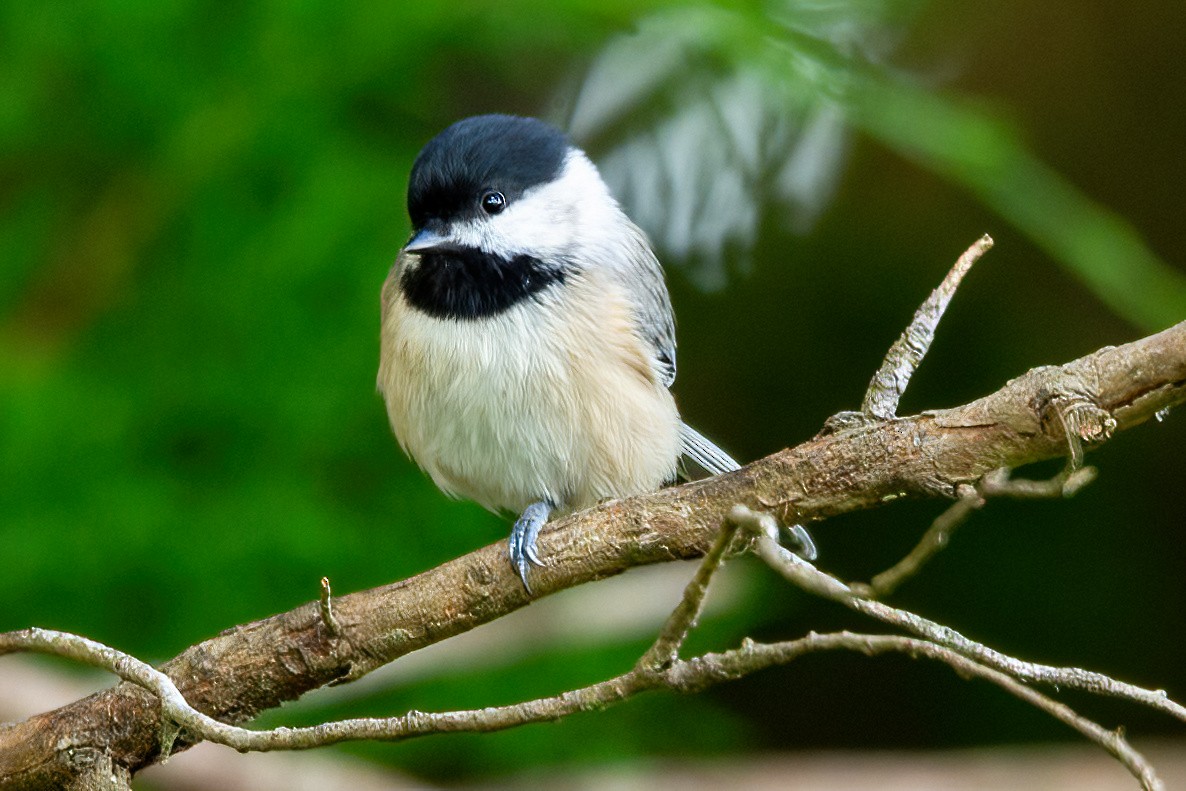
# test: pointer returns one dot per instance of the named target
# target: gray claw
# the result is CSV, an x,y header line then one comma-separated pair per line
x,y
805,544
521,546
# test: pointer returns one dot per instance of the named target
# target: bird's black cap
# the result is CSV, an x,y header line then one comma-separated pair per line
x,y
486,152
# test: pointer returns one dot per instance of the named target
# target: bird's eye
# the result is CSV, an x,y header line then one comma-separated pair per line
x,y
493,202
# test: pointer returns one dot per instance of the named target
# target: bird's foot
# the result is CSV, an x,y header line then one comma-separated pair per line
x,y
804,544
521,546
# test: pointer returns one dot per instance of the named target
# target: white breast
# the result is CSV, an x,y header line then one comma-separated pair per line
x,y
530,404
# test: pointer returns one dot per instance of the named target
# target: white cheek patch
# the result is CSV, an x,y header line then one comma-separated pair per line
x,y
551,220
529,225
539,222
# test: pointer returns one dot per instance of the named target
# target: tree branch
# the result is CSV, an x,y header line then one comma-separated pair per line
x,y
1045,413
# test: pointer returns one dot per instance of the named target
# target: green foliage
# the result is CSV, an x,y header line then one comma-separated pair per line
x,y
200,208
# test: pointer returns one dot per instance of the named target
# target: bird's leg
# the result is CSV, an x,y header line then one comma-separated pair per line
x,y
522,543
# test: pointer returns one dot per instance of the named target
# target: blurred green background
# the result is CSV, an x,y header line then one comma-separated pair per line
x,y
199,202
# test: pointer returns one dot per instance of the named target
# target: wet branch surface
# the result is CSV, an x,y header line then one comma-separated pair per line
x,y
1048,412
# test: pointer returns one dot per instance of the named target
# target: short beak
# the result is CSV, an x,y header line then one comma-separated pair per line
x,y
429,240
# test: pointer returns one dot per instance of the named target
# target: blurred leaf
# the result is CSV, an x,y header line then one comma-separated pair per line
x,y
707,113
969,145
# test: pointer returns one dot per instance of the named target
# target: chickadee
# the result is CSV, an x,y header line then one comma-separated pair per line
x,y
527,339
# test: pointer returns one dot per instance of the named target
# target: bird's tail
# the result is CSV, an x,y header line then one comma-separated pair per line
x,y
715,461
701,450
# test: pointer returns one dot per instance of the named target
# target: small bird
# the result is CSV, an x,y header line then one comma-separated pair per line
x,y
527,341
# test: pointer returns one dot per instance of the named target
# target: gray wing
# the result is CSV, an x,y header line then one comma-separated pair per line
x,y
642,276
643,279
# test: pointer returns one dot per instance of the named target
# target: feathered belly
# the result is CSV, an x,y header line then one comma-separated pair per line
x,y
522,407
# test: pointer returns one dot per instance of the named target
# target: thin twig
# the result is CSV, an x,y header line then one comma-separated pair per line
x,y
971,498
665,649
932,542
813,580
89,652
872,645
327,609
1112,741
1010,672
888,384
682,675
1066,484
